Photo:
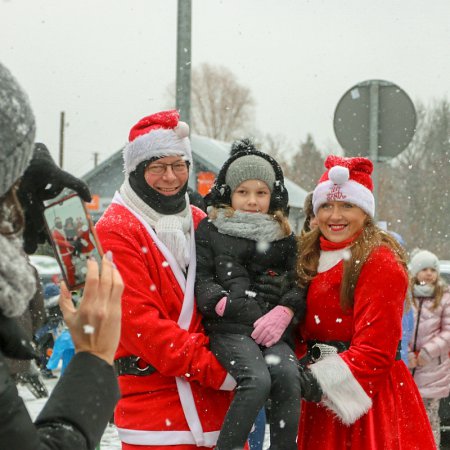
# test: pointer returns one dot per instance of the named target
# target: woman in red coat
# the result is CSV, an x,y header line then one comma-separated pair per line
x,y
364,397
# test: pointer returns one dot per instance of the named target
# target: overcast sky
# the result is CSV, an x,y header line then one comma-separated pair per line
x,y
107,63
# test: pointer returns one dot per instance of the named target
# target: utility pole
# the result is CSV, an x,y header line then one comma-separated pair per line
x,y
61,139
183,80
96,159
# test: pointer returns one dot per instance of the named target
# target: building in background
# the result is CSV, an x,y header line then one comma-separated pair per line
x,y
208,155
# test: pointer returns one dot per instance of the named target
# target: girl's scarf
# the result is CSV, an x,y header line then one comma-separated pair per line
x,y
424,290
254,226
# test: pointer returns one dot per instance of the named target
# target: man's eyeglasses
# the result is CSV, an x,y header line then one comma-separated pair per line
x,y
177,167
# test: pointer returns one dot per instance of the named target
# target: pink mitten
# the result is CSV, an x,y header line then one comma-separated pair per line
x,y
269,328
220,306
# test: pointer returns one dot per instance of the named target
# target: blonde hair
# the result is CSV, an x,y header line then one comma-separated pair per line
x,y
370,238
278,216
438,292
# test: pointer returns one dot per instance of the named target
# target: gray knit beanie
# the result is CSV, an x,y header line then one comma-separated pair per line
x,y
250,167
17,130
423,259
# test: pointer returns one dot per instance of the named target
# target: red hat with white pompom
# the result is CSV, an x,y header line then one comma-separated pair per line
x,y
346,180
156,136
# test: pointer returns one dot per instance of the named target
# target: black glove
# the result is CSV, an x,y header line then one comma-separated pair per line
x,y
43,180
270,286
310,388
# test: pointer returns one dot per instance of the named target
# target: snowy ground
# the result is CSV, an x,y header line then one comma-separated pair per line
x,y
110,439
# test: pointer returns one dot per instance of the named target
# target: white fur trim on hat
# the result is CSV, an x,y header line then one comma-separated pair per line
x,y
342,392
349,191
158,143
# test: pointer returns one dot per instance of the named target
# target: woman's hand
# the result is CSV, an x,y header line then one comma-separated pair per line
x,y
95,325
412,360
423,358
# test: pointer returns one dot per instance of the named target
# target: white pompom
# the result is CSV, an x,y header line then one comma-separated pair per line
x,y
182,130
339,174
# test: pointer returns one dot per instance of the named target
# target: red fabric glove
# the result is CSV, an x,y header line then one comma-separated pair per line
x,y
270,327
220,306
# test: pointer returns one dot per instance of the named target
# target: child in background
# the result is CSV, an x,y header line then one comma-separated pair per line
x,y
245,236
429,347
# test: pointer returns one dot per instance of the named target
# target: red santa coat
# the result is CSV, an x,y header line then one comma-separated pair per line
x,y
181,403
65,250
370,399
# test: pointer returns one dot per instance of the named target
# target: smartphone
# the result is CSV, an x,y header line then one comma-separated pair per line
x,y
73,238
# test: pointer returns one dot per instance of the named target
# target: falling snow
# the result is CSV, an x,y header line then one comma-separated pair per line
x,y
272,360
262,246
88,329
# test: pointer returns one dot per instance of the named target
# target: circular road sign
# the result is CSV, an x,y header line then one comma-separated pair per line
x,y
374,113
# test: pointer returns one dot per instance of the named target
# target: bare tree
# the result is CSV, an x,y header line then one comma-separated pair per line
x,y
304,166
414,188
221,107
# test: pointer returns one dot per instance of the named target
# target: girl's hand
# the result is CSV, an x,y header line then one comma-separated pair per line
x,y
95,325
423,358
412,360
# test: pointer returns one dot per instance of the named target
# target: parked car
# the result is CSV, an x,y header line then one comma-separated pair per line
x,y
47,267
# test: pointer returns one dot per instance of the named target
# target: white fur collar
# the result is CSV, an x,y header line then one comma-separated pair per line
x,y
328,259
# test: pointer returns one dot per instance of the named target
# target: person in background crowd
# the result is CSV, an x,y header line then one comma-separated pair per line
x,y
65,249
246,235
359,393
408,315
174,391
430,343
78,410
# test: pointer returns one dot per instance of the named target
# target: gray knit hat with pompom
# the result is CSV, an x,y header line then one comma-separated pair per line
x,y
17,128
250,167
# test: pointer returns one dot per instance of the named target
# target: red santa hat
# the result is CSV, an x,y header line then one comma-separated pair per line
x,y
346,180
156,136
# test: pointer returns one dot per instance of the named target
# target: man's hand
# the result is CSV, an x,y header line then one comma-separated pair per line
x,y
43,180
310,388
271,286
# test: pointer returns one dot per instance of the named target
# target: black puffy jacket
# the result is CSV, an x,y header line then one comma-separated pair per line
x,y
228,266
74,416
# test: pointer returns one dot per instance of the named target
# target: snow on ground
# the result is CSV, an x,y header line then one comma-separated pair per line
x,y
110,439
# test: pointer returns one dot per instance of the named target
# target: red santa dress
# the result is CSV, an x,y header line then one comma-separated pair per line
x,y
179,406
370,400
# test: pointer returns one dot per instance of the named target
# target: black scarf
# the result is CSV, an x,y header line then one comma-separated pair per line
x,y
162,204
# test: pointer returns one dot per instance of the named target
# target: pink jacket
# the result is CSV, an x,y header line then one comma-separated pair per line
x,y
432,332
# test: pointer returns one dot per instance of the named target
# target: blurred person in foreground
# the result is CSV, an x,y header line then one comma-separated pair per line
x,y
173,388
359,394
78,410
428,356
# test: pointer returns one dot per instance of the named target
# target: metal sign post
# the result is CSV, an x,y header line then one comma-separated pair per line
x,y
376,119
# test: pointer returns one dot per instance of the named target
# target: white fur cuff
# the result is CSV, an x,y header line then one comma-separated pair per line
x,y
342,392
